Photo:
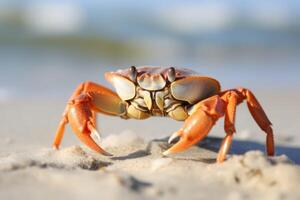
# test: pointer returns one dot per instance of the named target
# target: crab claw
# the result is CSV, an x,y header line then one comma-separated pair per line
x,y
80,119
195,128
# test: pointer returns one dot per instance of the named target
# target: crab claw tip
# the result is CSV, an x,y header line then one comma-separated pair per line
x,y
165,153
55,147
105,153
173,137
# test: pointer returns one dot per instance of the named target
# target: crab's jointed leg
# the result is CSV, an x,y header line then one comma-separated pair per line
x,y
205,113
233,99
261,119
81,109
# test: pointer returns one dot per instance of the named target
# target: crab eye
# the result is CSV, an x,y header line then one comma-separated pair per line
x,y
171,74
133,73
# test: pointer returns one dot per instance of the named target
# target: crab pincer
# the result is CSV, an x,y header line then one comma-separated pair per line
x,y
81,121
87,99
195,128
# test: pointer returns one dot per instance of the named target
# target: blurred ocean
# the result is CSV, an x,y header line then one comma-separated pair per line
x,y
48,47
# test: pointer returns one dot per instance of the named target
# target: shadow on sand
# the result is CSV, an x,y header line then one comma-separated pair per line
x,y
242,146
213,144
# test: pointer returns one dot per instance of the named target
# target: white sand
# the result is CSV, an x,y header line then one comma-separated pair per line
x,y
29,169
139,171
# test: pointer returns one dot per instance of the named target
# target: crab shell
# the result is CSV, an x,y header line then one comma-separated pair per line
x,y
184,85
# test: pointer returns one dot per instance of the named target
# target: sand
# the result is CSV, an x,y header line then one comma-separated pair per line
x,y
30,169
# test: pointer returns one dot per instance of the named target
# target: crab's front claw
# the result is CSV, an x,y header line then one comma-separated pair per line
x,y
81,121
195,128
86,100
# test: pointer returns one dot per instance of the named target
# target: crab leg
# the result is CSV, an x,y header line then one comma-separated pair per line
x,y
225,147
261,118
60,132
232,99
87,99
206,113
61,127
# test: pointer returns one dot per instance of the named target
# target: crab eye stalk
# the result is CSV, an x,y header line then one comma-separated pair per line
x,y
171,74
133,73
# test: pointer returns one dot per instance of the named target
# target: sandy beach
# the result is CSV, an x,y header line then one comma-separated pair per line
x,y
49,47
30,168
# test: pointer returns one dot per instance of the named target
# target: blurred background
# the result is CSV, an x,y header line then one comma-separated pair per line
x,y
47,47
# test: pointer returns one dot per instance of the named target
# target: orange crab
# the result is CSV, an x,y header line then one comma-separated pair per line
x,y
182,94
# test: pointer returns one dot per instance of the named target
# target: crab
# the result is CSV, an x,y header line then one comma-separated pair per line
x,y
181,94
